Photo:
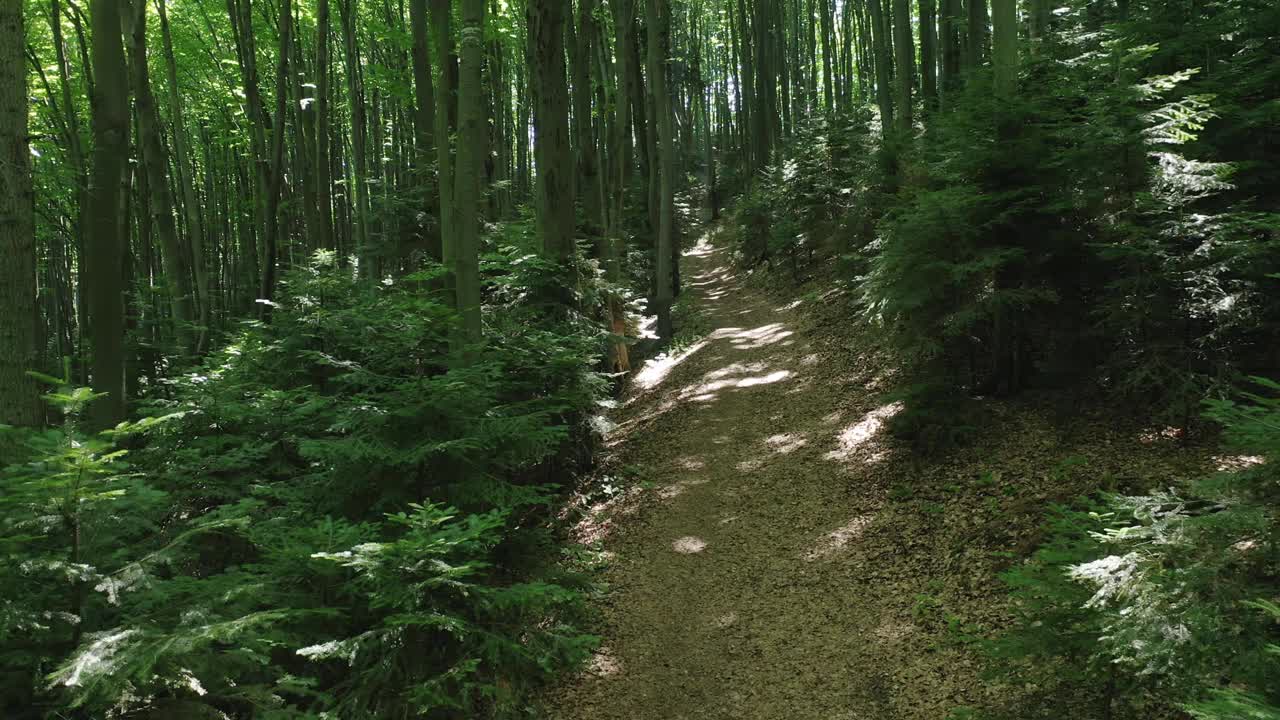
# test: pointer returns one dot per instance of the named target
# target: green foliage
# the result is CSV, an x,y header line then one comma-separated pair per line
x,y
934,419
257,558
1100,225
1156,597
823,182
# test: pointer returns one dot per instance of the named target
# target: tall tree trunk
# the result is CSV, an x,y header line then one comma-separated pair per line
x,y
904,65
275,172
553,154
928,52
620,169
75,146
241,15
828,47
324,176
1038,19
471,151
880,44
1005,343
976,35
589,188
19,333
949,41
155,163
105,246
1004,37
442,43
359,140
184,169
753,111
658,20
424,119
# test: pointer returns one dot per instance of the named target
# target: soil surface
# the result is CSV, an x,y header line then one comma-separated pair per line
x,y
777,556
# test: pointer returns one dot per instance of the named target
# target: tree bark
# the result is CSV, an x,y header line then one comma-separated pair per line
x,y
442,43
241,15
658,20
105,247
976,35
19,333
949,42
589,188
424,120
324,177
184,168
1004,36
880,45
275,172
552,152
155,162
470,166
928,53
359,140
904,65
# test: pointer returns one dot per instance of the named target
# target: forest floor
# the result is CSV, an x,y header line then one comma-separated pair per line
x,y
769,552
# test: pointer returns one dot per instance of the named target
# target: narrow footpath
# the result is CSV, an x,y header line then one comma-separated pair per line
x,y
755,578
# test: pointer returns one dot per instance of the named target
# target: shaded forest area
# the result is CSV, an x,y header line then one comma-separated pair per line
x,y
310,312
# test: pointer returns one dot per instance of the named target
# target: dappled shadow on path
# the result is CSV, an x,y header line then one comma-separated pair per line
x,y
729,599
771,553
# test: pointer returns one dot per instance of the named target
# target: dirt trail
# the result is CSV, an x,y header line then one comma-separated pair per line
x,y
787,560
738,584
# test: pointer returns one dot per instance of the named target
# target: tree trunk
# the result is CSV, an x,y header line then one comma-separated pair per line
x,y
184,169
590,190
324,176
241,15
620,169
76,147
442,42
155,162
949,41
19,396
976,35
105,245
424,120
828,92
275,172
1004,38
359,142
552,153
1005,344
658,20
904,65
470,166
928,53
1038,19
880,44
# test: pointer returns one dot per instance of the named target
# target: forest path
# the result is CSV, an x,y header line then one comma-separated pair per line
x,y
741,585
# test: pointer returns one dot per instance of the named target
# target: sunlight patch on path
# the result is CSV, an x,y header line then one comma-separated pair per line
x,y
657,369
672,491
604,663
784,443
688,545
726,620
857,434
836,540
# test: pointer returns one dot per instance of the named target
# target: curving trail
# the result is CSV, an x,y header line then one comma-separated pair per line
x,y
743,584
783,560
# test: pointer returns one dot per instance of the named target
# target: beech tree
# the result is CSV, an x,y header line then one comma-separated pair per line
x,y
104,241
19,401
